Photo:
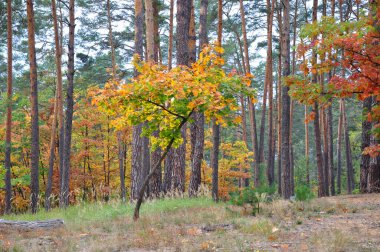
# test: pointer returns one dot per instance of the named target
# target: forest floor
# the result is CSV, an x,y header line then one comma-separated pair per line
x,y
342,223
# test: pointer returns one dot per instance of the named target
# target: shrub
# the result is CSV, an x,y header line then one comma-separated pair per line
x,y
252,196
303,193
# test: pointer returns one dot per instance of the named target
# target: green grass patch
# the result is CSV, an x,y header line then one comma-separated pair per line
x,y
89,212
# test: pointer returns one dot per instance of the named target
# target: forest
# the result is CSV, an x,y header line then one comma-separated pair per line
x,y
245,103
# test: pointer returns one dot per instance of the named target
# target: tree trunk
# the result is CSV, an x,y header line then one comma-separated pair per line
x,y
49,184
120,144
58,109
251,106
149,23
331,150
269,80
317,136
214,159
307,148
197,128
330,128
215,124
121,150
110,38
291,153
157,47
156,182
136,170
183,26
198,125
35,148
279,103
339,148
170,49
366,141
64,199
374,171
8,137
285,122
324,126
350,169
317,130
168,175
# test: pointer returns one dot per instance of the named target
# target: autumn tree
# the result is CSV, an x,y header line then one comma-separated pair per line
x,y
168,106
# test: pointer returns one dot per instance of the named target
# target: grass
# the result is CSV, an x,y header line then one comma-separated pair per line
x,y
178,224
90,212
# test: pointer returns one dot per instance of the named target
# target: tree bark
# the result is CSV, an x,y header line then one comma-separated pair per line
x,y
168,174
137,142
366,141
8,134
279,103
339,148
35,148
214,160
291,154
350,169
64,199
307,148
317,130
149,23
331,150
251,106
58,109
182,46
110,38
285,122
374,171
215,124
269,80
197,128
170,49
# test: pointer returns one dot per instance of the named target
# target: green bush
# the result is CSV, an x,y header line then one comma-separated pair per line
x,y
303,193
252,196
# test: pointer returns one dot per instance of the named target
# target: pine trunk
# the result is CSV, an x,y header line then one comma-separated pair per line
x,y
182,46
137,142
197,128
64,198
170,49
339,149
350,169
8,137
35,148
366,141
251,106
279,103
269,80
285,122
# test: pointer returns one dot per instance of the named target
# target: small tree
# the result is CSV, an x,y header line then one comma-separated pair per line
x,y
166,99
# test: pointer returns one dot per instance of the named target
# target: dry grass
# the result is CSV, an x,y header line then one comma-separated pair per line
x,y
331,224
